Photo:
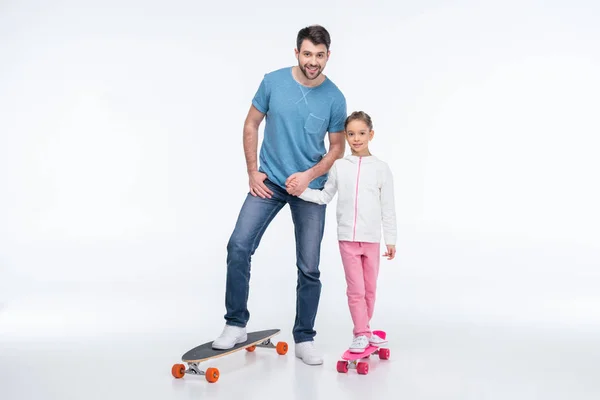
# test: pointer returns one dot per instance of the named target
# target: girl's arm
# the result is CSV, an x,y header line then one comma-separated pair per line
x,y
388,208
323,196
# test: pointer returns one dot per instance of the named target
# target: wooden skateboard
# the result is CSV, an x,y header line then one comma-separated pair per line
x,y
205,352
350,360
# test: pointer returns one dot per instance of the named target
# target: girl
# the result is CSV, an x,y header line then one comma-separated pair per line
x,y
365,204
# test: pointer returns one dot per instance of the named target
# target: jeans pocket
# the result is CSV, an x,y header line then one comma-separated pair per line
x,y
314,125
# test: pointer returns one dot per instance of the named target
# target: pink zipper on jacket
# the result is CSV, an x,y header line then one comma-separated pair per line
x,y
356,199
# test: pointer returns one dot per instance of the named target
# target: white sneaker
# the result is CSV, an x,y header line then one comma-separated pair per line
x,y
230,336
306,352
359,344
376,340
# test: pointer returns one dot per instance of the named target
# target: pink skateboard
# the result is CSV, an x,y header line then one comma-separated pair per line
x,y
362,367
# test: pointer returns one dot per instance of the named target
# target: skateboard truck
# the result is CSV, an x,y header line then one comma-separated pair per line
x,y
267,344
194,369
179,370
281,347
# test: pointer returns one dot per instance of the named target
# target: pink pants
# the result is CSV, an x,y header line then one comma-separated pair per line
x,y
361,265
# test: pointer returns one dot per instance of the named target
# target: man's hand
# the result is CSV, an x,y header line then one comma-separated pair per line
x,y
257,185
391,252
297,183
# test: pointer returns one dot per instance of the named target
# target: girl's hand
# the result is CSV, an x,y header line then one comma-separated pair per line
x,y
297,183
391,252
292,183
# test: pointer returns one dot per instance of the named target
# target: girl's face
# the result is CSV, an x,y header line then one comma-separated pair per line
x,y
358,136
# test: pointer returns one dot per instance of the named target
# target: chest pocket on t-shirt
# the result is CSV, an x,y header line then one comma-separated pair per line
x,y
315,125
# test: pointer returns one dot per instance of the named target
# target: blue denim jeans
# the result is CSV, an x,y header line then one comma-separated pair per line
x,y
254,218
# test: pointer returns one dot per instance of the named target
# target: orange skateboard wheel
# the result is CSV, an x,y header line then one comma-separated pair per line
x,y
212,375
282,348
251,348
178,371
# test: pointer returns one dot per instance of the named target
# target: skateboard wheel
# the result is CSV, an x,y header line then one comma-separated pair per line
x,y
282,348
384,354
178,371
212,375
251,348
362,368
342,367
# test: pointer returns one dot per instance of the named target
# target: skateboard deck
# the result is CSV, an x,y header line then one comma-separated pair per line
x,y
350,359
205,352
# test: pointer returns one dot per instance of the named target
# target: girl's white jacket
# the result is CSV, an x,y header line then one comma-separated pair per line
x,y
365,199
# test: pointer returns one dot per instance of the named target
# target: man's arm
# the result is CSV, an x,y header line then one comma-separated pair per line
x,y
251,124
336,151
337,144
256,179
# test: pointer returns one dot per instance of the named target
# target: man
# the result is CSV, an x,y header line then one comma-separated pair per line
x,y
301,105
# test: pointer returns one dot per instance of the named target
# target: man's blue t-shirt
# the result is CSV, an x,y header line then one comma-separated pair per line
x,y
297,119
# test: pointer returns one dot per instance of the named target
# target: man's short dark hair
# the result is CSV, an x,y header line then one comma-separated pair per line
x,y
316,34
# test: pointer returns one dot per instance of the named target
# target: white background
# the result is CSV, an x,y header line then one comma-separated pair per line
x,y
122,169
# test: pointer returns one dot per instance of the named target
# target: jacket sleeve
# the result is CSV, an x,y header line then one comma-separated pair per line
x,y
388,207
326,195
